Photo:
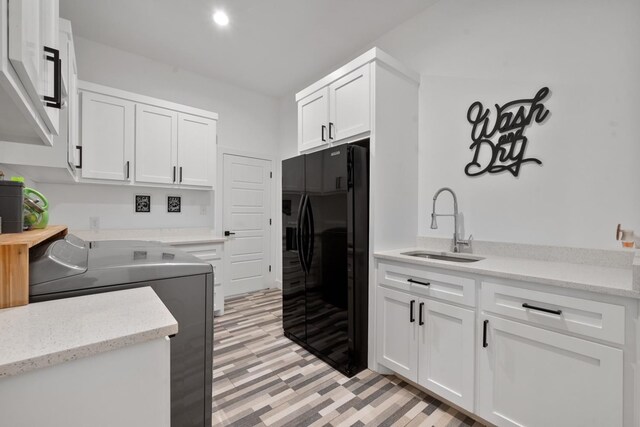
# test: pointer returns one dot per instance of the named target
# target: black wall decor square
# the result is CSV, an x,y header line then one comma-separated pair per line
x,y
143,203
174,204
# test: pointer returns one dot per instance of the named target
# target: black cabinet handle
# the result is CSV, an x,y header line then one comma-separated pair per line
x,y
174,174
412,317
55,101
330,129
180,173
546,310
485,344
228,233
79,148
417,282
420,314
324,129
127,166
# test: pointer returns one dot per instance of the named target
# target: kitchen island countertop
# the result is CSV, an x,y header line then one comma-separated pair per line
x,y
53,332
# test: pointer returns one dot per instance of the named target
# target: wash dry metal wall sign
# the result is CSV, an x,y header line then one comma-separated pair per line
x,y
499,143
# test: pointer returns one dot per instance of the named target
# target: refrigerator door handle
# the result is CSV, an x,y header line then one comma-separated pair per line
x,y
311,231
299,239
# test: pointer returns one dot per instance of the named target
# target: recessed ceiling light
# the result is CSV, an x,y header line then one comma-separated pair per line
x,y
221,18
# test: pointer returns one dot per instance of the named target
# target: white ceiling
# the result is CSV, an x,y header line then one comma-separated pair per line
x,y
271,46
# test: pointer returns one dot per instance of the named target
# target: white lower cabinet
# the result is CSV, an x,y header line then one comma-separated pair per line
x,y
524,356
530,376
397,340
428,342
446,351
213,253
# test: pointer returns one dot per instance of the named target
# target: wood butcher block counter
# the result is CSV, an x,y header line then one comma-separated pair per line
x,y
14,262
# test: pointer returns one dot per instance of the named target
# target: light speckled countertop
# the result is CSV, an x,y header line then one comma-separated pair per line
x,y
171,236
52,332
600,279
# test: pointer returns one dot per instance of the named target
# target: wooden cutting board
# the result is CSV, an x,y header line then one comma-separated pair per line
x,y
14,262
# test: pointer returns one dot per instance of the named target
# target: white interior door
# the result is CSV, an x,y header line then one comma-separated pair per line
x,y
156,144
246,213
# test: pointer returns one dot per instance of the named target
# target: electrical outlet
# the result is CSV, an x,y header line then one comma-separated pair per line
x,y
203,210
94,223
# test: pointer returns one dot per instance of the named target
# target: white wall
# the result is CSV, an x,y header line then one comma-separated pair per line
x,y
74,204
495,51
248,121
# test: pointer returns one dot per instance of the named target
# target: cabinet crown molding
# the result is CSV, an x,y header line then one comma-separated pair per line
x,y
85,86
373,54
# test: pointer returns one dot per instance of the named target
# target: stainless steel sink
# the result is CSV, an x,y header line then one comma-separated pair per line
x,y
444,256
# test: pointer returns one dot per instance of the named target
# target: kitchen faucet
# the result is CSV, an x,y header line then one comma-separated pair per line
x,y
457,243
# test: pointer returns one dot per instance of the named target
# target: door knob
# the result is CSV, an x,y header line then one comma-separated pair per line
x,y
228,233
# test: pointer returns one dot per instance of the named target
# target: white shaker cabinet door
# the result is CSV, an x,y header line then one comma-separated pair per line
x,y
33,27
313,115
396,337
350,105
446,351
196,150
107,134
156,144
533,377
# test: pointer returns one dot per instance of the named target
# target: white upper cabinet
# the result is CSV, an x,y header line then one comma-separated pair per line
x,y
350,105
35,56
175,145
529,376
313,120
196,150
56,163
156,144
107,136
335,112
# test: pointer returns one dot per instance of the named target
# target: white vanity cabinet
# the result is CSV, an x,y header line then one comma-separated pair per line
x,y
337,111
426,340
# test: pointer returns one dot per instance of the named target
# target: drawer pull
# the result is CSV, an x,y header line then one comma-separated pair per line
x,y
546,310
485,344
417,282
412,317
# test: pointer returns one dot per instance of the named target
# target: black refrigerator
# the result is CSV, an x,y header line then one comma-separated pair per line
x,y
325,254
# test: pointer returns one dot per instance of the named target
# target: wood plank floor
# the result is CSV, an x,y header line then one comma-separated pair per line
x,y
262,378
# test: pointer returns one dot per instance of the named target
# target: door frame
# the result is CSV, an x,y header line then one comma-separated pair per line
x,y
275,202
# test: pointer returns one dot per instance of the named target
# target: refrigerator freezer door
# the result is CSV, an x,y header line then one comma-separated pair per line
x,y
326,284
293,276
